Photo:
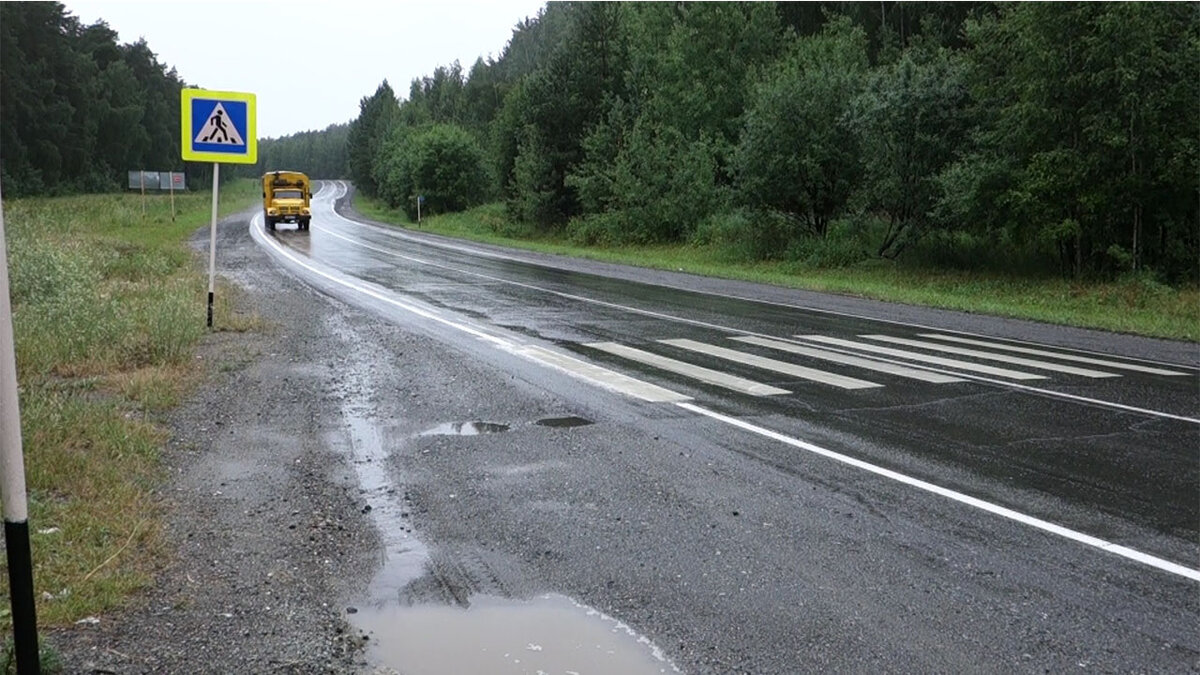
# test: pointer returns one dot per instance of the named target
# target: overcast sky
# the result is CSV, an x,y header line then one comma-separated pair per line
x,y
309,63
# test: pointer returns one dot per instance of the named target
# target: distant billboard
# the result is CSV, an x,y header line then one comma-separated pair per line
x,y
157,180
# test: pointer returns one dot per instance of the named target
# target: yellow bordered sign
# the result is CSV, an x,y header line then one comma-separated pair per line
x,y
218,126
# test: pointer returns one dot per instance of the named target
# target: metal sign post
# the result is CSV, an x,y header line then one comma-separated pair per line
x,y
212,242
217,126
12,487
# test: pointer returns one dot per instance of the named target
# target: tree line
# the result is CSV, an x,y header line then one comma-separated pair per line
x,y
1032,137
320,154
78,108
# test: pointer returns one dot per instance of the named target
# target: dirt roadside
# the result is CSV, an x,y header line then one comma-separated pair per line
x,y
265,519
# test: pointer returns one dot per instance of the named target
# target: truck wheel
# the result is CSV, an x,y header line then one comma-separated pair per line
x,y
271,224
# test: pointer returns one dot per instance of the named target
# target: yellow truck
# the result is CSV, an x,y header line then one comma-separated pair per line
x,y
286,197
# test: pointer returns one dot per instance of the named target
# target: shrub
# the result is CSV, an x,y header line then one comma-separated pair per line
x,y
441,162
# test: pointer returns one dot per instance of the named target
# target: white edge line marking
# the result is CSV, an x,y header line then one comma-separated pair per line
x,y
1052,528
707,375
729,296
603,377
990,356
847,359
704,324
1056,355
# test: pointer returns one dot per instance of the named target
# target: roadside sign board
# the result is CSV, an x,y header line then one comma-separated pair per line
x,y
143,180
218,126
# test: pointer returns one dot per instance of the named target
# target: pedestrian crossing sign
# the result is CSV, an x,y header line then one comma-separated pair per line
x,y
218,126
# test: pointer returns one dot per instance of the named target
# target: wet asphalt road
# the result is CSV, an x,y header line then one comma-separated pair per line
x,y
939,516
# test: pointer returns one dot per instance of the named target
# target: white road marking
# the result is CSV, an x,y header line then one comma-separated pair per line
x,y
996,509
547,356
730,296
1003,358
771,364
1058,355
925,358
708,375
869,364
1049,393
609,379
603,377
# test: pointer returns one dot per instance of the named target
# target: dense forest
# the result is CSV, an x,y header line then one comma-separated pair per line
x,y
77,108
1031,137
317,153
1037,138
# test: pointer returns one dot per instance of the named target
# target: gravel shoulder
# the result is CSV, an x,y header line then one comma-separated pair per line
x,y
268,530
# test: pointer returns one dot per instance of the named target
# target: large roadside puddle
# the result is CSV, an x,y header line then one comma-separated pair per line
x,y
550,634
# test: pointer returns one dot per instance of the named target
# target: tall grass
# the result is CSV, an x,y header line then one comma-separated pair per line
x,y
108,306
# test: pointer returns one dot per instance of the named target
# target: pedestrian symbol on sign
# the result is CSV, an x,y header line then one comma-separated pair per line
x,y
217,129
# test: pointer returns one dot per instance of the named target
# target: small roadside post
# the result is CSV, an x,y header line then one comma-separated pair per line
x,y
12,488
142,174
217,127
420,201
171,180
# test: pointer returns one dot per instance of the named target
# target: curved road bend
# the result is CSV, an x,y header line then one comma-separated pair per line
x,y
776,480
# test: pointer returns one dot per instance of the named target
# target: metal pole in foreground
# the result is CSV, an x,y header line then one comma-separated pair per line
x,y
12,487
212,243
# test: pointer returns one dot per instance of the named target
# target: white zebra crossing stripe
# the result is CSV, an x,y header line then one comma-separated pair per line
x,y
700,373
924,358
846,359
771,364
1004,358
609,379
1057,355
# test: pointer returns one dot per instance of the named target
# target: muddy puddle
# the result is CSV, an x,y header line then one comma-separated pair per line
x,y
550,634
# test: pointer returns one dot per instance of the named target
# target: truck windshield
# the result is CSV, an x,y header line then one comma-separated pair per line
x,y
289,194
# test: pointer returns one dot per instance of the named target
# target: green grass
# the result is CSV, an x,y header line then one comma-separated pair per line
x,y
109,303
1129,306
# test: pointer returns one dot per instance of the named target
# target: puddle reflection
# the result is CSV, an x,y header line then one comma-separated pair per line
x,y
465,429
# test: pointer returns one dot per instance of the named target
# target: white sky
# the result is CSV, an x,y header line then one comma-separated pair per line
x,y
309,63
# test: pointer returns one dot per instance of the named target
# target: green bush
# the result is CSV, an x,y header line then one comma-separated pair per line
x,y
441,162
846,243
658,188
745,236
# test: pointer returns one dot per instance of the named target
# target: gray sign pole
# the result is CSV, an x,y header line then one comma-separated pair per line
x,y
212,243
12,487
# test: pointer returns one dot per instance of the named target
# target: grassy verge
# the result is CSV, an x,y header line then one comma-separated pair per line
x,y
1130,306
108,304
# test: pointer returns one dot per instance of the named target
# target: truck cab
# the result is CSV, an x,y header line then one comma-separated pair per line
x,y
286,199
